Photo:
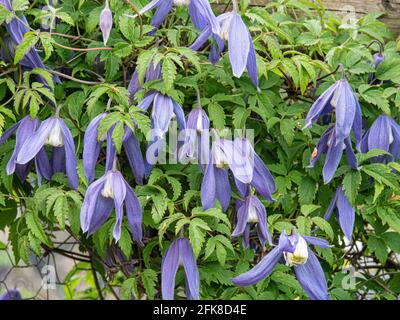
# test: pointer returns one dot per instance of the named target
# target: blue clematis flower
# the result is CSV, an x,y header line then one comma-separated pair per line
x,y
196,137
384,134
17,29
333,148
106,22
251,211
52,132
102,196
340,99
179,253
92,147
345,212
296,252
11,295
200,12
246,166
23,130
164,109
242,54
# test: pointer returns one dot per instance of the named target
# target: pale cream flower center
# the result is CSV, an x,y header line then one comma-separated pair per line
x,y
224,31
300,255
55,138
108,191
253,217
181,2
199,123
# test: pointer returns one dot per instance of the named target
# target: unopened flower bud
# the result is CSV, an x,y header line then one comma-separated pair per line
x,y
106,22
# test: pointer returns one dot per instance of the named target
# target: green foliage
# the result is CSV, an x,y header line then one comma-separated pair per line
x,y
298,46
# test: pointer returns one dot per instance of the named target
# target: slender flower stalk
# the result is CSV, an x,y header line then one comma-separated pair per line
x,y
102,196
345,212
180,253
106,22
384,134
295,250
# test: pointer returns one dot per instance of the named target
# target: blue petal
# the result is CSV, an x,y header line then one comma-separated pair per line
x,y
312,278
346,214
238,44
262,270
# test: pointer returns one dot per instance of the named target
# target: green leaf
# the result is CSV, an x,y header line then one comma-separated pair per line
x,y
33,223
287,129
351,185
286,280
149,280
61,209
188,197
143,62
362,157
47,43
303,225
122,49
392,240
168,73
197,234
20,5
389,69
166,223
118,135
389,217
125,242
29,41
307,189
324,225
46,76
378,246
217,115
130,289
190,55
382,174
306,209
240,116
5,15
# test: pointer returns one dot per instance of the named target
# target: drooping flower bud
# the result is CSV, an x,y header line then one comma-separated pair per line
x,y
300,255
106,22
